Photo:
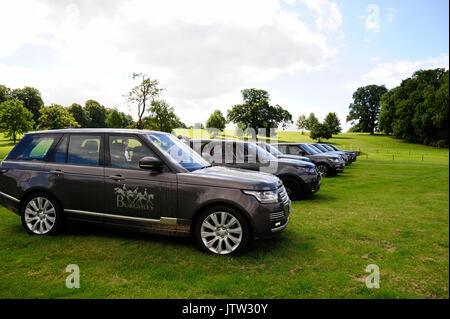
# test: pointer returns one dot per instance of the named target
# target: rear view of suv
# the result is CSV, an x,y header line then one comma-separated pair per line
x,y
138,180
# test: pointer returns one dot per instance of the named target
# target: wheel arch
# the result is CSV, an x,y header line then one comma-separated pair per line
x,y
35,190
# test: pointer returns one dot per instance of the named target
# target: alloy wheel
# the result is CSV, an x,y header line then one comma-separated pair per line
x,y
322,170
221,233
40,215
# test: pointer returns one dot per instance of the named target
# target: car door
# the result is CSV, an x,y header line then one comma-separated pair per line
x,y
77,169
131,191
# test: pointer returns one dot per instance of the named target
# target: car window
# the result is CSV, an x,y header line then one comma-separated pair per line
x,y
126,151
84,150
59,154
282,148
32,147
294,150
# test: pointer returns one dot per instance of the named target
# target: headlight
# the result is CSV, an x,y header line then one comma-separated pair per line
x,y
336,160
264,196
308,170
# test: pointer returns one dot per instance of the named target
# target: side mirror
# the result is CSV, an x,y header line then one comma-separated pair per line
x,y
152,163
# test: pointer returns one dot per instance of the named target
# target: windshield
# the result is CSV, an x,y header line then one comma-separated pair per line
x,y
327,147
272,149
178,151
309,149
334,147
315,148
262,153
321,147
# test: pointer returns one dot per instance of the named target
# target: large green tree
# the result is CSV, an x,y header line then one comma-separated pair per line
x,y
114,119
417,110
319,131
5,93
164,115
333,123
80,114
15,118
31,99
366,106
56,117
216,120
97,113
311,121
143,94
256,112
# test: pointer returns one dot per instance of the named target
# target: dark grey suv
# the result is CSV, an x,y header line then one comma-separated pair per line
x,y
327,164
141,180
299,177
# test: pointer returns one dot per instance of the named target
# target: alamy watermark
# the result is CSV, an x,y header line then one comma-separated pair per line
x,y
373,279
73,280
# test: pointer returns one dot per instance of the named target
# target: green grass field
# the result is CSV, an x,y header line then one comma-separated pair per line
x,y
390,212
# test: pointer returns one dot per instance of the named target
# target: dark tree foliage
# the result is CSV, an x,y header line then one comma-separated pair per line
x,y
366,107
311,121
418,109
97,113
216,120
319,131
256,112
333,123
80,114
31,99
5,93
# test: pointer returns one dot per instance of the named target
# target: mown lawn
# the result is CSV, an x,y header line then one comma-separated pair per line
x,y
392,213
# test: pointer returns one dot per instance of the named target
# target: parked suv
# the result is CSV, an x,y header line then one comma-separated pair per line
x,y
141,180
327,164
351,153
321,148
298,177
276,152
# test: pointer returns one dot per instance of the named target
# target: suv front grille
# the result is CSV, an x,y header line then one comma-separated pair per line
x,y
282,194
276,216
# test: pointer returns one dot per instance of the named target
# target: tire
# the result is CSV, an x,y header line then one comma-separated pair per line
x,y
293,188
214,236
323,169
41,215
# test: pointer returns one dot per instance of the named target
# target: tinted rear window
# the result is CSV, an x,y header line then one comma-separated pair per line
x,y
33,147
84,150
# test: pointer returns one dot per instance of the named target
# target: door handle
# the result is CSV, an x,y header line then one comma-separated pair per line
x,y
117,177
57,172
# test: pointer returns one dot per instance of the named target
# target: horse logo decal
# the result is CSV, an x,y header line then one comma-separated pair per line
x,y
127,198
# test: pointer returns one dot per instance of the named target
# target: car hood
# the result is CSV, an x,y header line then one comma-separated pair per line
x,y
295,162
294,157
325,156
219,176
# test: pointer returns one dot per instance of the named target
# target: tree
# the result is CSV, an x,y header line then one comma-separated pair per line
x,y
80,114
55,117
216,120
31,99
114,119
417,110
5,93
301,123
97,113
164,115
143,95
319,131
311,121
256,112
333,123
15,119
366,107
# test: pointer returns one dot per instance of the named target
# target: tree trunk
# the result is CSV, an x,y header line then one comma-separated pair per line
x,y
14,137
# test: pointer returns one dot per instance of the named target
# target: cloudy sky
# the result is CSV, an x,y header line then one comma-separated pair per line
x,y
309,54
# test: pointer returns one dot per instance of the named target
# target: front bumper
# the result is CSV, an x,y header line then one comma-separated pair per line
x,y
312,184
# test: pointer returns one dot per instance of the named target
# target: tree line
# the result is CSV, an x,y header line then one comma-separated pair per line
x,y
330,125
417,110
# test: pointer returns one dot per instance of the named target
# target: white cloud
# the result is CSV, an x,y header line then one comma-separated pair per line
x,y
329,15
392,73
203,52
